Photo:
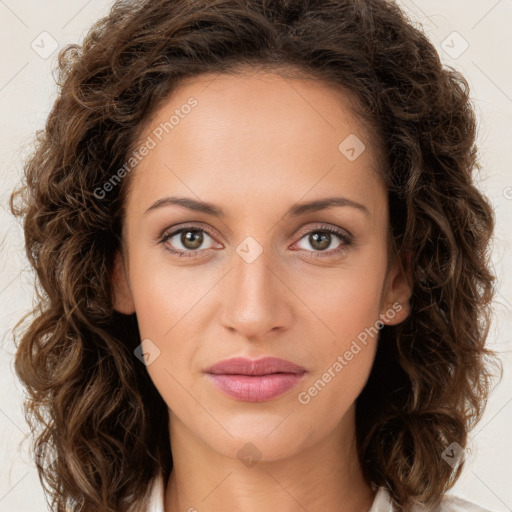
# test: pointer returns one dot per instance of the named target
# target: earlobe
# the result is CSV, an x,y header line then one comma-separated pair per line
x,y
122,299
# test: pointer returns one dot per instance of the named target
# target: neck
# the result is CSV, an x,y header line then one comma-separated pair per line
x,y
324,476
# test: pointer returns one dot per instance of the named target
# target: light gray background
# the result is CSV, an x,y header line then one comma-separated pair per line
x,y
27,92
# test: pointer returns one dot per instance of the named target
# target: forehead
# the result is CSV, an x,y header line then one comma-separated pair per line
x,y
287,105
255,131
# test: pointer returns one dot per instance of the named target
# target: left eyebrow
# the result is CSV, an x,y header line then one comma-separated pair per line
x,y
295,210
323,204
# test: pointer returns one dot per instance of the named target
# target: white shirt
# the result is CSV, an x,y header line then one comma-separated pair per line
x,y
381,503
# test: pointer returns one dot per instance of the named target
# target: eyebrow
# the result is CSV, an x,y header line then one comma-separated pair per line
x,y
295,210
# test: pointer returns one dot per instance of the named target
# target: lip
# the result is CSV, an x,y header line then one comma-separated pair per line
x,y
255,380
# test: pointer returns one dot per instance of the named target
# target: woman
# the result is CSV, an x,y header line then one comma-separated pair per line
x,y
263,263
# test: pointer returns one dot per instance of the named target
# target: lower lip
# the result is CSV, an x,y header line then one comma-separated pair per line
x,y
255,388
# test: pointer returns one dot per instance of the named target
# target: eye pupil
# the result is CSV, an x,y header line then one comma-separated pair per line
x,y
325,240
191,239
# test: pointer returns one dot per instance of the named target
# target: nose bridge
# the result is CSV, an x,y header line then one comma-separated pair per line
x,y
252,270
255,302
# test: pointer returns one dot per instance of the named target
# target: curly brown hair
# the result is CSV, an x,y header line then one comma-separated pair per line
x,y
89,399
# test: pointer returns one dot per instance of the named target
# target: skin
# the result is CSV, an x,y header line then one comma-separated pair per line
x,y
256,144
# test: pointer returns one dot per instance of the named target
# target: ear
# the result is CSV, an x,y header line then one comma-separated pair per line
x,y
123,301
395,305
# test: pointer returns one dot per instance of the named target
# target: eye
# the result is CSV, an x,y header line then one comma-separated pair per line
x,y
323,238
187,239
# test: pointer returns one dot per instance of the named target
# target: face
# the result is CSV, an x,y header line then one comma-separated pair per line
x,y
254,275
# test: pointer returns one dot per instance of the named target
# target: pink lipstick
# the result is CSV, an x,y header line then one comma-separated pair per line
x,y
255,380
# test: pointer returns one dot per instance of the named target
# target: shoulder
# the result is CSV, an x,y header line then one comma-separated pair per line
x,y
156,497
449,503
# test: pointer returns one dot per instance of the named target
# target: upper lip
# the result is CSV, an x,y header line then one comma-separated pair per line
x,y
263,366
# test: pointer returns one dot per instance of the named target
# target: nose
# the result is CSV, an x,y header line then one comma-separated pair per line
x,y
257,299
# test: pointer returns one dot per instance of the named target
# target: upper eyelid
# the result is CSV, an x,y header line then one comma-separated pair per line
x,y
324,226
173,231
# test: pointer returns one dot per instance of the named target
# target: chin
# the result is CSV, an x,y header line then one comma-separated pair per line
x,y
266,439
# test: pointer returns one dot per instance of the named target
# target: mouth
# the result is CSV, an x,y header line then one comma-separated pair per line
x,y
255,380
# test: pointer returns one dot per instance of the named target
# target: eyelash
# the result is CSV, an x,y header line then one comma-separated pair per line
x,y
313,254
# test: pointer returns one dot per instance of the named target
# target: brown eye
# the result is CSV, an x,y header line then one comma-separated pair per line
x,y
191,239
321,239
187,240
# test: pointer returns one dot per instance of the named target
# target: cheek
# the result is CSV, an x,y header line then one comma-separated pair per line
x,y
342,359
347,298
167,296
167,315
348,304
166,304
329,394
